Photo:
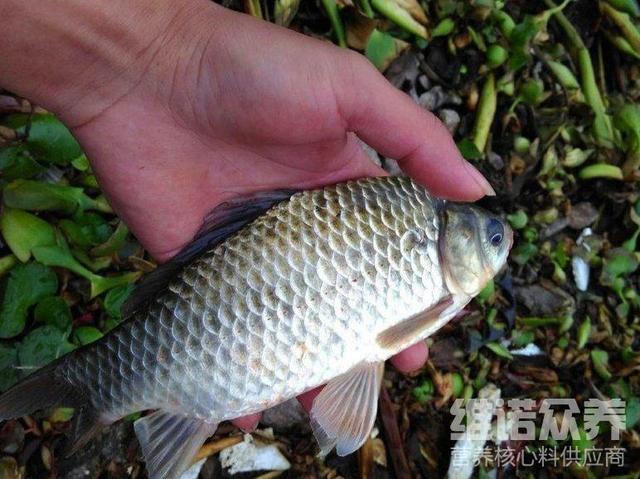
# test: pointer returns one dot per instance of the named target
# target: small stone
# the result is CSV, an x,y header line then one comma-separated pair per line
x,y
541,301
495,160
450,118
582,215
437,97
424,82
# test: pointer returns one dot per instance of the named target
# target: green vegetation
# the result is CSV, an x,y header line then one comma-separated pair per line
x,y
542,97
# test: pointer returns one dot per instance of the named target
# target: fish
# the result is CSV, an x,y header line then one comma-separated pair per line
x,y
279,293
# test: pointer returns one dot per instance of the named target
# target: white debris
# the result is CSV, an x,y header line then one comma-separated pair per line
x,y
250,455
194,471
530,349
469,447
580,272
579,265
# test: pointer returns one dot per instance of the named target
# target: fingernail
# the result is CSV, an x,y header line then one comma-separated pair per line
x,y
479,179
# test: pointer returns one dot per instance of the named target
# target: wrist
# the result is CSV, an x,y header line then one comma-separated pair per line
x,y
77,58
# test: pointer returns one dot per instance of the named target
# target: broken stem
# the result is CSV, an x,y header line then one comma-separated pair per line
x,y
624,23
486,112
253,8
331,8
602,126
601,170
400,16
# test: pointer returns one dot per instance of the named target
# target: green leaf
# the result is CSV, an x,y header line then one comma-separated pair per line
x,y
23,231
37,196
80,163
518,220
61,256
564,75
523,253
523,338
618,263
43,345
632,412
444,28
26,285
520,37
424,392
114,243
86,229
8,363
48,138
531,92
496,56
55,311
94,264
499,350
17,162
86,334
600,360
584,332
487,292
115,298
382,49
469,150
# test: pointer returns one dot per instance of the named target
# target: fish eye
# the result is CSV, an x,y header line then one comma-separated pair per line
x,y
495,232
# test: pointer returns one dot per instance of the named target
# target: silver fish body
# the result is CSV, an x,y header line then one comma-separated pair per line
x,y
288,303
320,288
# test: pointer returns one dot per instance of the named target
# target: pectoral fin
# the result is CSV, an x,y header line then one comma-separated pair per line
x,y
343,414
409,330
169,442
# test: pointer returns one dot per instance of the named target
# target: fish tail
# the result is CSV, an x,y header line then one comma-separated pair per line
x,y
45,389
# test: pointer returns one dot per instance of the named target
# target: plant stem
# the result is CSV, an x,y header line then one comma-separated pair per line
x,y
622,44
601,170
486,111
253,8
400,16
628,6
365,5
602,126
624,23
331,8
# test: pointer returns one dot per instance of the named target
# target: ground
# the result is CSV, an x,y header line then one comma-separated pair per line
x,y
543,101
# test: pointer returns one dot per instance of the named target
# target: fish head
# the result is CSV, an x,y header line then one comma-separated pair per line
x,y
473,246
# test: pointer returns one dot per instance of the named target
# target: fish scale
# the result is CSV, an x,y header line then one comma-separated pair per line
x,y
292,300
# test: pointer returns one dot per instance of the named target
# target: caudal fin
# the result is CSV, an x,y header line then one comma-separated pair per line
x,y
45,389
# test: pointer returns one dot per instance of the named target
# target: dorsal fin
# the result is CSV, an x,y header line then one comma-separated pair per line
x,y
223,221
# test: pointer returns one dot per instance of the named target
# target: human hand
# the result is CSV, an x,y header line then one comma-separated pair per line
x,y
215,104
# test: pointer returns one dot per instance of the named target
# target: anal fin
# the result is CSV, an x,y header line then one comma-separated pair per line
x,y
344,412
170,441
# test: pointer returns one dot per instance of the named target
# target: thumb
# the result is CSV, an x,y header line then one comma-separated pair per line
x,y
392,123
